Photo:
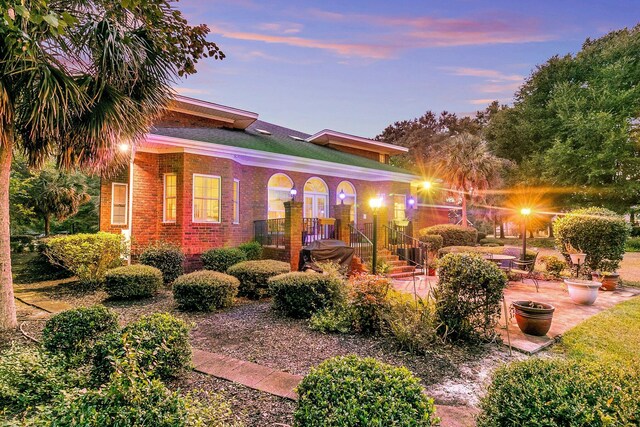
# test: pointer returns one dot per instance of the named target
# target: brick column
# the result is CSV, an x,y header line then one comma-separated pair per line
x,y
342,213
293,232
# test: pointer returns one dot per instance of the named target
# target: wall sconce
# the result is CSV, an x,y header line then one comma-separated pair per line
x,y
412,202
342,197
293,193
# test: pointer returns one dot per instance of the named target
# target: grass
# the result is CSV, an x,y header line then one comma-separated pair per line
x,y
632,244
536,242
610,336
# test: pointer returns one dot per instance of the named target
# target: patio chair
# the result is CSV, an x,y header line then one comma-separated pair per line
x,y
525,269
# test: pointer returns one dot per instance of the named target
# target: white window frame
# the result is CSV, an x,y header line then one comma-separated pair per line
x,y
235,199
315,196
193,199
288,190
393,199
354,196
126,202
164,198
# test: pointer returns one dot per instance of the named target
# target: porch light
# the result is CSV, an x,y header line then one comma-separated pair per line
x,y
293,193
412,202
375,203
342,196
123,147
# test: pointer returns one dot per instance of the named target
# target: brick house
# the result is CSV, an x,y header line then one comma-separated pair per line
x,y
209,176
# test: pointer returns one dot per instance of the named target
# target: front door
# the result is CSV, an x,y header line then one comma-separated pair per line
x,y
315,206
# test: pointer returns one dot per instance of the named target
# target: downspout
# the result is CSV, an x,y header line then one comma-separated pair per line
x,y
130,200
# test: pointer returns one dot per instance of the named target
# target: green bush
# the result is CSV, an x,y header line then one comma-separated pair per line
x,y
205,290
632,244
485,250
411,323
299,295
72,333
133,281
350,391
547,393
220,259
160,340
368,302
167,258
252,250
491,241
434,241
254,276
452,235
336,319
29,378
468,297
598,232
554,265
88,256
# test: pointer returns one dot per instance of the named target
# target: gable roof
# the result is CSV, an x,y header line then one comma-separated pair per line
x,y
280,140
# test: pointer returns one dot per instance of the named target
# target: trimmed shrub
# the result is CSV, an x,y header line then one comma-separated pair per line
x,y
336,319
72,333
205,290
543,392
599,232
468,297
167,258
350,391
161,344
481,236
632,244
368,302
252,250
452,235
554,265
220,259
133,281
487,241
88,256
299,295
29,378
434,241
254,276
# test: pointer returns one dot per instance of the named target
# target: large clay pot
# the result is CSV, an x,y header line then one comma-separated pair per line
x,y
582,292
534,318
609,281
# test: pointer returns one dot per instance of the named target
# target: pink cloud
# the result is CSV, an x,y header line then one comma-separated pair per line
x,y
492,75
281,27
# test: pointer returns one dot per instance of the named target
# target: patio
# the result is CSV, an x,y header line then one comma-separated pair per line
x,y
566,316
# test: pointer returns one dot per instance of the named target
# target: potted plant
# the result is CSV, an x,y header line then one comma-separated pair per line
x,y
582,292
534,318
327,221
609,280
401,222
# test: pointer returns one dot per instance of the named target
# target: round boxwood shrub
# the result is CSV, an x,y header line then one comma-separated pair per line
x,y
550,392
299,295
167,258
133,281
161,343
468,296
598,232
72,333
220,259
205,290
254,276
253,250
452,235
350,391
433,241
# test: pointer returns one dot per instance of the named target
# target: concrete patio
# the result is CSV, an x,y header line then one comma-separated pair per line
x,y
566,316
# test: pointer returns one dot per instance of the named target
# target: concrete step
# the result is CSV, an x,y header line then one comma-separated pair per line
x,y
400,275
401,269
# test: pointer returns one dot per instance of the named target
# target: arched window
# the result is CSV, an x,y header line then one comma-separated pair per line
x,y
349,191
316,198
279,187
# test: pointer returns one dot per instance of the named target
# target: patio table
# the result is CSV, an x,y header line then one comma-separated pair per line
x,y
499,259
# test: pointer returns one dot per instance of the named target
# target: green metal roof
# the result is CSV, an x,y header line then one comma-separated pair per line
x,y
280,141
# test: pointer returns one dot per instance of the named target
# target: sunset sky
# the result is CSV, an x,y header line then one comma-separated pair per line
x,y
357,66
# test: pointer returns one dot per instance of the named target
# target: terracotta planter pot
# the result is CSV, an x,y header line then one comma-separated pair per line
x,y
534,318
609,281
582,292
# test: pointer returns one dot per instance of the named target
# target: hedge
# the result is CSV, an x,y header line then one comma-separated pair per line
x,y
220,259
253,250
452,235
167,258
299,294
254,276
133,281
205,290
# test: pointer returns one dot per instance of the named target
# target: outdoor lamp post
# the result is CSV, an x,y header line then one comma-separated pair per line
x,y
525,212
427,185
293,193
342,197
375,203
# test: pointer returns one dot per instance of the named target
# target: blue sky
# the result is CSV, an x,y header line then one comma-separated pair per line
x,y
357,66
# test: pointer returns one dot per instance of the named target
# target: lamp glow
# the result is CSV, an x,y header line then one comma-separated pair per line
x,y
342,196
293,193
412,201
375,202
525,211
124,147
427,185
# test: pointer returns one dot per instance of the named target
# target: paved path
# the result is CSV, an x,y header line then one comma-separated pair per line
x,y
27,295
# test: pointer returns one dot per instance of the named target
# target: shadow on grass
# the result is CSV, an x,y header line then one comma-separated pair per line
x,y
33,267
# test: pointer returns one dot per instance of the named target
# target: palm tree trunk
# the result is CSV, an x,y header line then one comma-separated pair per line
x,y
501,229
47,225
7,304
464,211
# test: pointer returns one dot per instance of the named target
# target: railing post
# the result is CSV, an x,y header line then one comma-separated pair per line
x,y
293,232
343,219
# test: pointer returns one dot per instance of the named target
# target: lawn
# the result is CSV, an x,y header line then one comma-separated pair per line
x,y
612,335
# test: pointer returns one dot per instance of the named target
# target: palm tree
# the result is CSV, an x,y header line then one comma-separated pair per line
x,y
77,77
465,163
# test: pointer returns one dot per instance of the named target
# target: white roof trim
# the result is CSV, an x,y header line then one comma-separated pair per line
x,y
326,136
216,107
250,157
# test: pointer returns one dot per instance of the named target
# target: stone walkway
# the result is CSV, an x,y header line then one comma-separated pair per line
x,y
36,299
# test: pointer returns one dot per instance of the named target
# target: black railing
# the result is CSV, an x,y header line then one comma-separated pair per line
x,y
319,229
409,249
361,244
367,230
404,229
269,232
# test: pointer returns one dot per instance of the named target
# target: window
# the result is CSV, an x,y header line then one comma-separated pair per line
x,y
236,201
170,197
119,203
399,206
279,187
349,197
316,198
206,198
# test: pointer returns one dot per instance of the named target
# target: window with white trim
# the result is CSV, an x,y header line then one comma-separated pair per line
x,y
236,201
399,207
279,188
170,197
206,198
119,203
349,191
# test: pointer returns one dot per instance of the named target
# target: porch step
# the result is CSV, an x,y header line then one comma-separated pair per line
x,y
400,275
401,269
